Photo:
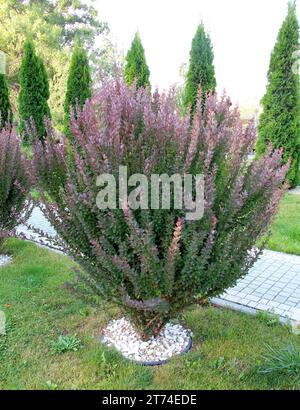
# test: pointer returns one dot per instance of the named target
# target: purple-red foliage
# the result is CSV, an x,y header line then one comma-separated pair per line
x,y
14,182
153,263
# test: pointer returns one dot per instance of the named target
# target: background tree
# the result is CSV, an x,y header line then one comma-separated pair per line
x,y
201,70
5,106
52,24
112,58
280,121
136,67
79,82
34,90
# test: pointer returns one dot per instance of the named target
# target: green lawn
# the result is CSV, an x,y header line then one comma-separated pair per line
x,y
286,226
226,353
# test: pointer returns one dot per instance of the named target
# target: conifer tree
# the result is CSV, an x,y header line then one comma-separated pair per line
x,y
34,91
136,68
5,106
201,70
280,121
79,82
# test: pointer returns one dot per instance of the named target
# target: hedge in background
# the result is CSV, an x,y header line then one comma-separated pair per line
x,y
280,121
78,84
136,68
34,91
201,72
152,263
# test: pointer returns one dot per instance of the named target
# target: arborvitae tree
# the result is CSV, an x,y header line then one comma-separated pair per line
x,y
45,81
280,121
79,82
5,106
136,68
34,90
201,69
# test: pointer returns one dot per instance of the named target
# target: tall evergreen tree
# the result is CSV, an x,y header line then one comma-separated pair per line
x,y
5,106
52,25
201,69
79,82
279,123
34,90
136,68
44,77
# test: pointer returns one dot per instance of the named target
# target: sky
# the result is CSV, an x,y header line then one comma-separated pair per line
x,y
243,34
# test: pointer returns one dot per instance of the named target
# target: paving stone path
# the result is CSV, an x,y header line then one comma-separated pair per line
x,y
273,284
295,191
38,221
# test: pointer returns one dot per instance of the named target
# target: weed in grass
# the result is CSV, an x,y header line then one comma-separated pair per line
x,y
290,326
282,360
142,377
270,319
108,367
242,376
66,344
85,311
193,361
51,386
218,363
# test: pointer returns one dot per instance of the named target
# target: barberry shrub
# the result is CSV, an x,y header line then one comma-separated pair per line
x,y
153,263
14,182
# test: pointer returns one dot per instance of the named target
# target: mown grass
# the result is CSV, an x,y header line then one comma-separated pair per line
x,y
286,226
39,309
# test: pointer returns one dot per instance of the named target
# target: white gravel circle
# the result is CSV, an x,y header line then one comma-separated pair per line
x,y
4,260
172,340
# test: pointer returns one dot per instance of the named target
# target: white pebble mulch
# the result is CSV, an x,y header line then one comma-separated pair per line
x,y
172,340
4,260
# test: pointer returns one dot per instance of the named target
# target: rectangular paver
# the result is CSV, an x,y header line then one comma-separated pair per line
x,y
273,284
